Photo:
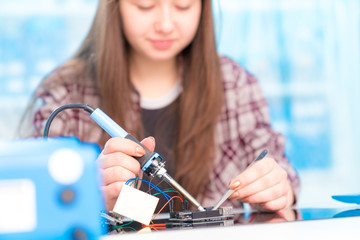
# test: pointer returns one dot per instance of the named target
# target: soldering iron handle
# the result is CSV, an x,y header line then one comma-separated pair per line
x,y
148,155
114,130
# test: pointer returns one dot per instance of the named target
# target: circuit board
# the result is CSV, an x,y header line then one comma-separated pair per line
x,y
202,216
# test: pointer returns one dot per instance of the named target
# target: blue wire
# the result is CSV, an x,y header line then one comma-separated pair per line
x,y
152,185
167,196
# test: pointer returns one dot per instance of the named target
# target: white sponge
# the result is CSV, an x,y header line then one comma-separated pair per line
x,y
135,204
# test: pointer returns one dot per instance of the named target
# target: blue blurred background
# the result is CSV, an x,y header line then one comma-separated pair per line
x,y
305,53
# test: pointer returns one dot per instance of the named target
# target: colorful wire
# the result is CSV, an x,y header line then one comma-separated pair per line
x,y
115,227
167,196
126,224
166,191
166,204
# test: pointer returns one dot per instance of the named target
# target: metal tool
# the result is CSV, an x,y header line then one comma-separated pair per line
x,y
231,191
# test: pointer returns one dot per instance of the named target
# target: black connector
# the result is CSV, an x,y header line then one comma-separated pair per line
x,y
207,215
185,205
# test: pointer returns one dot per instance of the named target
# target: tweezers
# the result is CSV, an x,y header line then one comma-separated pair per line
x,y
230,191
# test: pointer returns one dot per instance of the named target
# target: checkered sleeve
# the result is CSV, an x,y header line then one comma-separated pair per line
x,y
243,131
59,88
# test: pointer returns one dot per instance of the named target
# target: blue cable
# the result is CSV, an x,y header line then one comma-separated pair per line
x,y
167,196
152,185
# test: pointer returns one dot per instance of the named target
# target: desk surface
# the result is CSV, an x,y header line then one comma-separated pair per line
x,y
290,224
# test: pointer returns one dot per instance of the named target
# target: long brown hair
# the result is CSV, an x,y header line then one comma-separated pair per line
x,y
105,52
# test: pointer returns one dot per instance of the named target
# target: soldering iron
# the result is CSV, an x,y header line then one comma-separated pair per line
x,y
151,163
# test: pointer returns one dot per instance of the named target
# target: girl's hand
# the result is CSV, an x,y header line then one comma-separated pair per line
x,y
118,165
264,185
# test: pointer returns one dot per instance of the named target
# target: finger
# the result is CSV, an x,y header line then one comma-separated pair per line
x,y
253,173
112,190
274,205
270,194
120,159
149,143
111,193
117,174
269,180
123,145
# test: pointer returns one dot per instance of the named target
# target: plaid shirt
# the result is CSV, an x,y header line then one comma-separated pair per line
x,y
242,131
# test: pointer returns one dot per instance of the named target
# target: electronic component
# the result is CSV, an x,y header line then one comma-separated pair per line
x,y
111,220
151,163
198,224
202,216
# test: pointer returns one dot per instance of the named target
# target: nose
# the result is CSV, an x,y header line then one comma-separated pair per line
x,y
165,21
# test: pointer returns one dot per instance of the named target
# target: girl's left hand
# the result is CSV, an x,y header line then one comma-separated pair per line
x,y
264,185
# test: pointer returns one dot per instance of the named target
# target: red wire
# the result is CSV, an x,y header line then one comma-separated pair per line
x,y
253,217
167,204
161,225
155,225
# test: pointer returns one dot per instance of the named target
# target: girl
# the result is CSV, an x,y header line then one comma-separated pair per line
x,y
152,66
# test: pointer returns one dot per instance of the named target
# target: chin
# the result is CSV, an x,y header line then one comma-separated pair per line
x,y
162,57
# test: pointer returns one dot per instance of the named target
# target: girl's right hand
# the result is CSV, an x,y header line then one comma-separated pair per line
x,y
118,165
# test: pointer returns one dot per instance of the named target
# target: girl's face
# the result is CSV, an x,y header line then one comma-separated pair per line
x,y
159,29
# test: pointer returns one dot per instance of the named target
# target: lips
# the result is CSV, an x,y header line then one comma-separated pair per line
x,y
162,44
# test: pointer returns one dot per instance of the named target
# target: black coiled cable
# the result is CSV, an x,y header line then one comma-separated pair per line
x,y
85,107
